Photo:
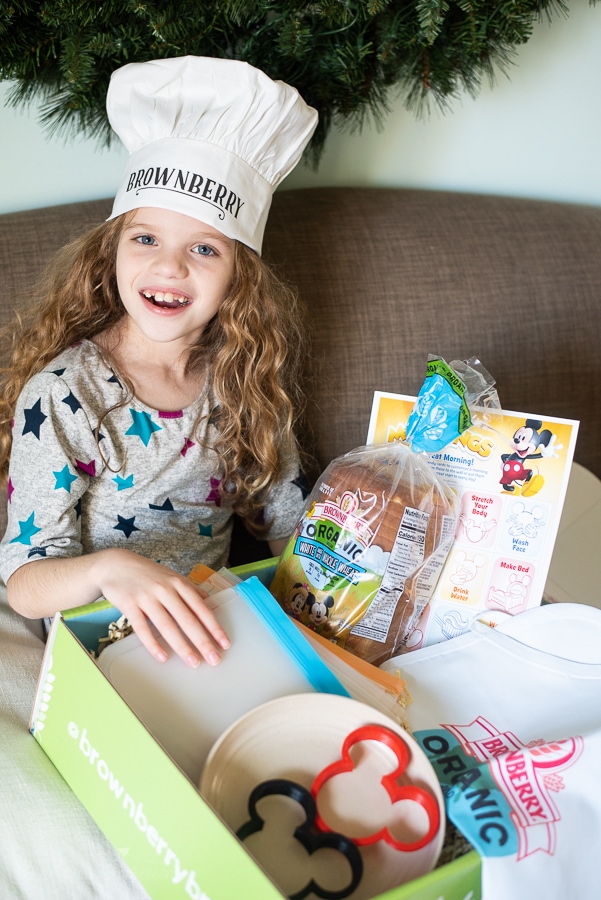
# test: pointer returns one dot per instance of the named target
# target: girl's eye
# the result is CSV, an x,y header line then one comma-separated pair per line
x,y
204,250
146,239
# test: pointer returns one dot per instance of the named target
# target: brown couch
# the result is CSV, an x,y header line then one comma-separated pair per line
x,y
387,276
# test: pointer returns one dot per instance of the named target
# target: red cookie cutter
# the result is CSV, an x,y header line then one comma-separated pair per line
x,y
394,790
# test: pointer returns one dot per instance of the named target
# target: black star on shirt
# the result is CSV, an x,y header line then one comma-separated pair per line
x,y
126,525
77,509
72,402
36,551
167,506
302,484
34,419
114,380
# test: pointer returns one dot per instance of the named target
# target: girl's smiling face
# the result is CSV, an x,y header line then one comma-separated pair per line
x,y
173,273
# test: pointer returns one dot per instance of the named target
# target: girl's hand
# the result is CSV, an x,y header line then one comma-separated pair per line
x,y
145,591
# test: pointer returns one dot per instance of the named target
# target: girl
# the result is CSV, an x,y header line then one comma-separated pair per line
x,y
151,392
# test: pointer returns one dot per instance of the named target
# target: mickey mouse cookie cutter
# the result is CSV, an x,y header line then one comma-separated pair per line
x,y
308,834
389,781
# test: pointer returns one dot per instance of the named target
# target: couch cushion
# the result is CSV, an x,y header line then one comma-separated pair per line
x,y
390,276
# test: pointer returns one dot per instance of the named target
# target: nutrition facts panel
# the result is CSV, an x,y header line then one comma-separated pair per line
x,y
406,555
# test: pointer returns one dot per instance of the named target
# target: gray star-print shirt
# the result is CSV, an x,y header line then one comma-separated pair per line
x,y
150,483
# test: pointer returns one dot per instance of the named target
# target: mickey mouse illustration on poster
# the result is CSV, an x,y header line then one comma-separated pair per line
x,y
528,442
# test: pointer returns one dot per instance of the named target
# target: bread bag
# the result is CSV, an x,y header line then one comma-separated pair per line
x,y
368,549
375,532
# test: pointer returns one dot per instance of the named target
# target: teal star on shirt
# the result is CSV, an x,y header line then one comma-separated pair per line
x,y
64,479
205,530
124,483
142,426
28,529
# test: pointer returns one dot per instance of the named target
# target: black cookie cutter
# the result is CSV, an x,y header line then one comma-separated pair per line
x,y
308,834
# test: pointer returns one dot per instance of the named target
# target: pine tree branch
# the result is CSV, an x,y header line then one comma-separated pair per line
x,y
346,57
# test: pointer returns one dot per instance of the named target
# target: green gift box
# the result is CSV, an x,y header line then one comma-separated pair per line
x,y
154,816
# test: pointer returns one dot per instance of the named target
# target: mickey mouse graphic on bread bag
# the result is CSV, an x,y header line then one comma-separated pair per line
x,y
304,599
299,598
319,611
528,442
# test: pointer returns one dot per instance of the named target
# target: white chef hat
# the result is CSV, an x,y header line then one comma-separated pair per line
x,y
210,138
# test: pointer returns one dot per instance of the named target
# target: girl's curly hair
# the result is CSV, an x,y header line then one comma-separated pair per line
x,y
253,347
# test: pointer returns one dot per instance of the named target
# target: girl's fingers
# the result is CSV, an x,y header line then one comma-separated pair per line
x,y
157,599
190,628
139,623
196,602
182,619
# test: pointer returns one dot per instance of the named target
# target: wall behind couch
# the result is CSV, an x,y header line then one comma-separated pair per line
x,y
534,134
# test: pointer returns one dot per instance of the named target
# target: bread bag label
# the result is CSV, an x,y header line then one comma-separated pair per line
x,y
333,536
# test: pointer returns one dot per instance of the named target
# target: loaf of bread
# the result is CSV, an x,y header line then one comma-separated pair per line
x,y
366,554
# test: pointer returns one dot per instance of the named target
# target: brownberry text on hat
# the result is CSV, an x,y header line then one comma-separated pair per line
x,y
209,138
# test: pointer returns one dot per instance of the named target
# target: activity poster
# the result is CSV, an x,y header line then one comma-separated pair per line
x,y
511,473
